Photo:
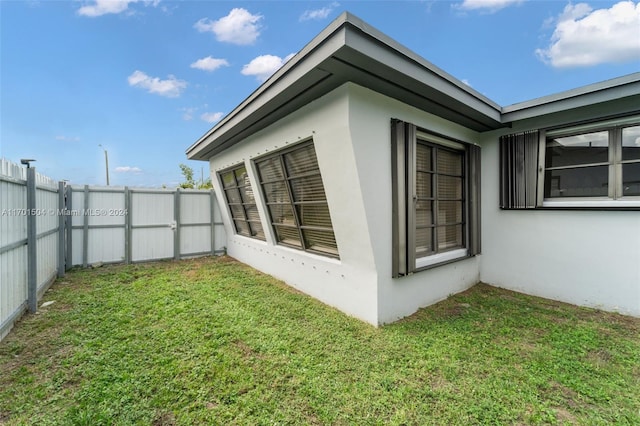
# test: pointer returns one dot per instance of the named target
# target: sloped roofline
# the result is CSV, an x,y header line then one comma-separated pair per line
x,y
349,49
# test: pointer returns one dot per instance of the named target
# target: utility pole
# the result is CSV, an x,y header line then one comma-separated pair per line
x,y
106,162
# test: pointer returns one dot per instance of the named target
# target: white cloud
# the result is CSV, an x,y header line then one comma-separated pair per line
x,y
105,7
318,14
465,81
212,117
209,64
128,169
585,37
171,87
238,27
488,5
187,113
68,138
264,66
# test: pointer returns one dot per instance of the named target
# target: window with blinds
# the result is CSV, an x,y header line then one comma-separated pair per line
x,y
436,199
572,167
241,202
440,219
294,194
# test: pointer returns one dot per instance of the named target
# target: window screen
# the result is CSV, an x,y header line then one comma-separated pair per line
x,y
294,193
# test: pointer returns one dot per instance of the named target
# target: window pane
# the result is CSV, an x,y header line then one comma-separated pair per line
x,y
449,162
423,185
449,212
323,241
588,148
233,195
256,230
631,143
308,188
246,193
242,178
449,237
237,212
252,212
282,214
579,182
314,215
424,213
631,179
423,158
424,242
449,187
301,161
288,235
228,179
242,228
276,192
270,169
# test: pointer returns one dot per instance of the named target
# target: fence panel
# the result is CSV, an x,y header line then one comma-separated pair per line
x,y
13,244
152,220
83,225
47,231
196,225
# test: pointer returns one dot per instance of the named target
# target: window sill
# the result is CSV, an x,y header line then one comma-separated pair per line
x,y
608,204
437,259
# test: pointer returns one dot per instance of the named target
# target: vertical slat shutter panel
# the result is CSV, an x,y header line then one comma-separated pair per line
x,y
399,199
474,201
519,170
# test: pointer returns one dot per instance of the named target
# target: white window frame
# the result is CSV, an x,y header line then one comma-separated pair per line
x,y
615,197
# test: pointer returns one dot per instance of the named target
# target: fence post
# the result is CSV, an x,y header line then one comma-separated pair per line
x,y
32,260
176,217
61,231
85,230
127,225
68,208
213,222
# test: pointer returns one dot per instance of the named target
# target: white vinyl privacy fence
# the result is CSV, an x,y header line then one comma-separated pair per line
x,y
47,227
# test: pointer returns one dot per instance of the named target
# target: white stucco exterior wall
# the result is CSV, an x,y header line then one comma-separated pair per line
x,y
351,131
587,258
370,115
350,283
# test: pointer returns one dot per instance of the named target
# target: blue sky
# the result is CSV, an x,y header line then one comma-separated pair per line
x,y
145,79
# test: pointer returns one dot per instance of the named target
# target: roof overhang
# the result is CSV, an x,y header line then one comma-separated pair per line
x,y
349,50
611,97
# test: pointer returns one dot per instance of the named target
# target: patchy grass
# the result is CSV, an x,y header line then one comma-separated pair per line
x,y
211,341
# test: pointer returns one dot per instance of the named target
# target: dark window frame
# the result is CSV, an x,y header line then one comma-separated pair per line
x,y
245,192
299,224
405,139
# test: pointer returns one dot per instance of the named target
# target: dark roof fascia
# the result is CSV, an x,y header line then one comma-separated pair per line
x,y
349,49
293,69
606,93
302,79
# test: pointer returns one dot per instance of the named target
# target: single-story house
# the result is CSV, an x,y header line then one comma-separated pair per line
x,y
368,178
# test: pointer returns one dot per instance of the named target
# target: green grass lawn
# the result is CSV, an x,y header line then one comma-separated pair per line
x,y
211,341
